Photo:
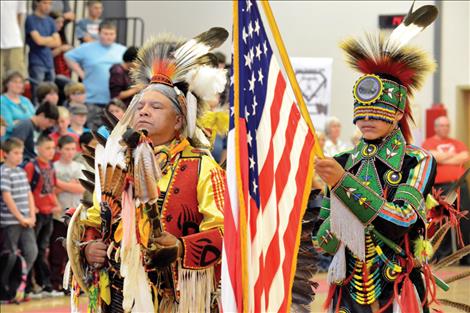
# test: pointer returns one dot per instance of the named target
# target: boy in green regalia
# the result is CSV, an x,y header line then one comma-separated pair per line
x,y
374,218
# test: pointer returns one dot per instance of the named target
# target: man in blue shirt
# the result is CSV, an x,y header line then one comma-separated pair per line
x,y
41,37
92,61
86,29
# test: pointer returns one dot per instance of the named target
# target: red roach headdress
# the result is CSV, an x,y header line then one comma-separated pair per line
x,y
390,65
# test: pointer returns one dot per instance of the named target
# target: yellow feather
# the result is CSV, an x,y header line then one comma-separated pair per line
x,y
423,249
431,202
217,121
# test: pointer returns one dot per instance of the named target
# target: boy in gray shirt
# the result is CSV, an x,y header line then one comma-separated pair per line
x,y
17,209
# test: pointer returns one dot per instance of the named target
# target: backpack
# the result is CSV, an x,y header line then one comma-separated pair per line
x,y
36,174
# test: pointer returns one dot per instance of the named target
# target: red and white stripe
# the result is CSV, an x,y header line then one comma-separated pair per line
x,y
231,262
284,143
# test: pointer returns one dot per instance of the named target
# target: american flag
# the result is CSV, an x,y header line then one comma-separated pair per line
x,y
270,146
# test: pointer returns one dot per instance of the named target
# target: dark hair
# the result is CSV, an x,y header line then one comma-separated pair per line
x,y
92,2
131,54
11,143
107,25
221,58
55,15
9,77
65,140
85,138
49,110
35,2
42,139
118,103
44,89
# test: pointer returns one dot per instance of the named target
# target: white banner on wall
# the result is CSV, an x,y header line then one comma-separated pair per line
x,y
314,77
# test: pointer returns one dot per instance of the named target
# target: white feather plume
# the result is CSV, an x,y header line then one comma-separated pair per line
x,y
191,116
206,82
414,23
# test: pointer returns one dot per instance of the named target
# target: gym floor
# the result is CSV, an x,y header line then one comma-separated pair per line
x,y
459,291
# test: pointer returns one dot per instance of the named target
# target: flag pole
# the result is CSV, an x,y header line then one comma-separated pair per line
x,y
290,73
241,199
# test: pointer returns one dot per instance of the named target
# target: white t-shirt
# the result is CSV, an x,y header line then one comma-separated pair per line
x,y
68,172
331,149
10,30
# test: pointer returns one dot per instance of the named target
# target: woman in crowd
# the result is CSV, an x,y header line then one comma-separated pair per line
x,y
14,106
116,108
333,144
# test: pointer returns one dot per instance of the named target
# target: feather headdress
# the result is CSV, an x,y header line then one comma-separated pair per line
x,y
186,66
393,60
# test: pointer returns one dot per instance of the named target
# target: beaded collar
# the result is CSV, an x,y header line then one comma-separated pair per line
x,y
390,150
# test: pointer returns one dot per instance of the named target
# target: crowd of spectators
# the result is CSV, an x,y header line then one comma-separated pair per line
x,y
47,114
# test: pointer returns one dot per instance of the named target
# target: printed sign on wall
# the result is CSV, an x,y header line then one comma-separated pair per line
x,y
314,77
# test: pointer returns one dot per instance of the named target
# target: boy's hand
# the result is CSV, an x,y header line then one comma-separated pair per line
x,y
25,222
33,220
56,209
329,170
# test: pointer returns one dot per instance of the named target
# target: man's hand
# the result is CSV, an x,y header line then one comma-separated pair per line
x,y
168,240
329,170
95,253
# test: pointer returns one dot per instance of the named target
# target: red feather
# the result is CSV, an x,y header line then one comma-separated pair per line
x,y
386,65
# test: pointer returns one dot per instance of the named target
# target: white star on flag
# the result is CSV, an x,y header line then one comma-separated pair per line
x,y
252,163
254,105
250,30
258,52
255,186
248,59
244,35
248,5
260,76
257,27
251,82
249,138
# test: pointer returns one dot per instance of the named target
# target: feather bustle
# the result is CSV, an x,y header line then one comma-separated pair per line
x,y
119,187
451,259
90,160
89,186
101,140
101,175
117,175
108,179
90,150
436,240
457,277
88,174
86,203
456,305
